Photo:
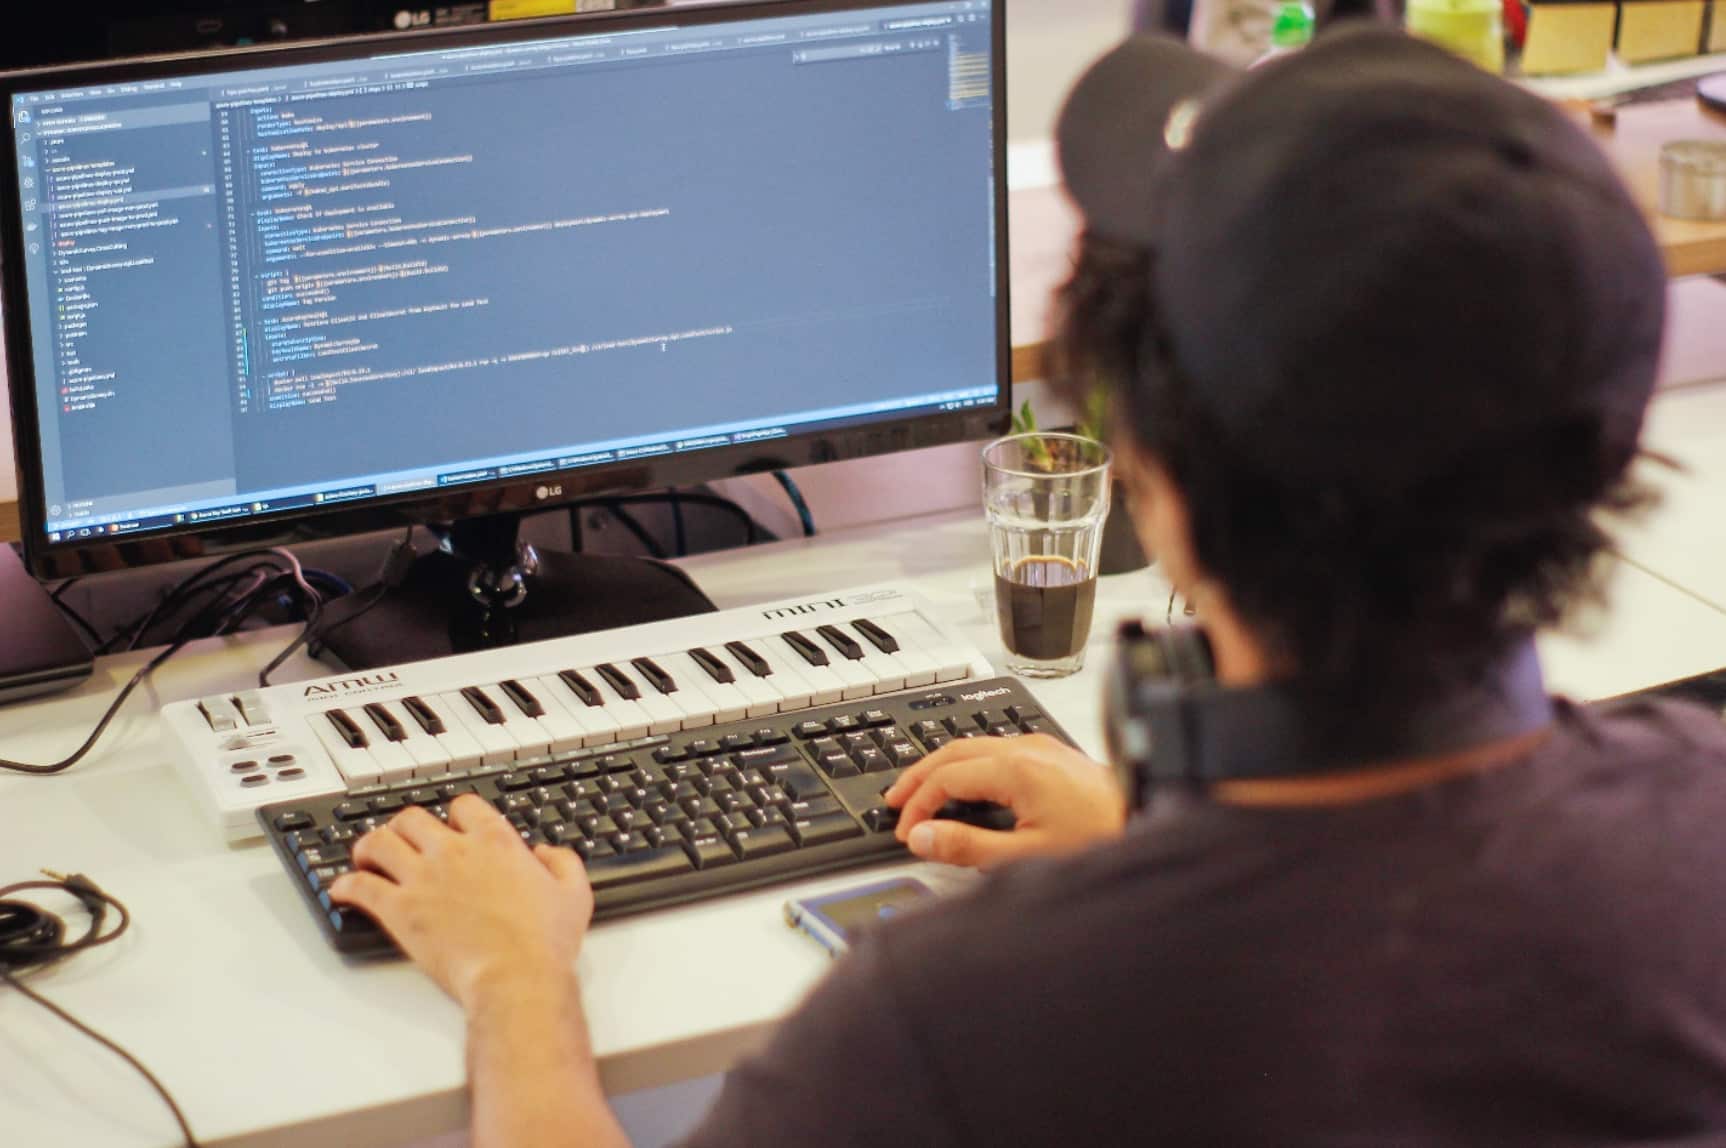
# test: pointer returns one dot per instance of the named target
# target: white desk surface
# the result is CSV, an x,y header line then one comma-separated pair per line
x,y
227,991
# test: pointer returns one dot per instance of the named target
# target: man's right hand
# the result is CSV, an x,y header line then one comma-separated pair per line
x,y
1063,800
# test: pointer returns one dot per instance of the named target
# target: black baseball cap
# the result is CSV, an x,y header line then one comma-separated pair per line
x,y
1372,261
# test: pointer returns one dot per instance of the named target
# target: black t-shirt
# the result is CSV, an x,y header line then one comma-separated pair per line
x,y
1533,955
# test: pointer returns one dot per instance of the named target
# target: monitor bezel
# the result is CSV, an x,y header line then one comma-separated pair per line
x,y
523,495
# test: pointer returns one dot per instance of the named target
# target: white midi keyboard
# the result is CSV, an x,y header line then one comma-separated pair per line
x,y
442,719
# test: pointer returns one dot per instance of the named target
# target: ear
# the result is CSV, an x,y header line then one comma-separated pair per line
x,y
1159,512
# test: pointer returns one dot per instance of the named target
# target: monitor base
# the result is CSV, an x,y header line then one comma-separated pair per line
x,y
433,613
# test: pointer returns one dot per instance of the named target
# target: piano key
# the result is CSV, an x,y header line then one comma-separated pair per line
x,y
496,746
847,646
578,684
658,717
627,687
353,762
562,720
761,697
603,725
920,669
464,752
727,702
681,689
715,669
424,715
522,698
826,686
886,673
800,645
386,722
348,729
525,733
912,629
782,674
429,758
858,682
749,659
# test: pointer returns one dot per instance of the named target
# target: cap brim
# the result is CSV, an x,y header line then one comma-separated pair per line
x,y
1113,132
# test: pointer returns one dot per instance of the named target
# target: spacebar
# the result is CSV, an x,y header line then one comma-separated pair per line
x,y
621,868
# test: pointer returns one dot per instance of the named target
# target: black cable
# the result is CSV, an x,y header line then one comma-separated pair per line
x,y
32,937
135,630
798,503
78,754
65,586
677,531
634,526
391,574
82,622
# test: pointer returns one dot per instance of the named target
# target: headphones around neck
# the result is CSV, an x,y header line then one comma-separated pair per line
x,y
1170,721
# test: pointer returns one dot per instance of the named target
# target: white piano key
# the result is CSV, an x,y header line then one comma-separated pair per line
x,y
464,752
429,757
560,720
693,705
531,738
393,757
356,765
885,674
601,724
920,669
952,663
725,701
761,699
633,718
663,715
496,747
828,684
859,682
794,690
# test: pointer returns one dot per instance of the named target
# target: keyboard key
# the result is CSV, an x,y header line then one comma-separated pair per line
x,y
293,820
641,865
715,669
814,807
750,658
881,819
824,830
805,648
351,811
872,760
767,842
709,852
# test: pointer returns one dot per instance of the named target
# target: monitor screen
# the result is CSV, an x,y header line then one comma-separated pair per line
x,y
636,248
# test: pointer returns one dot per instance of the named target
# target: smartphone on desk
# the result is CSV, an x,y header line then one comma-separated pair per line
x,y
834,920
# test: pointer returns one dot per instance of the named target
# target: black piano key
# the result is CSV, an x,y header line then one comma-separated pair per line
x,y
811,653
878,637
424,715
619,681
482,704
348,728
581,688
522,697
386,722
750,660
841,641
655,674
716,669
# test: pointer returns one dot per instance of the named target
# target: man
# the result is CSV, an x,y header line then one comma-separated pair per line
x,y
1381,330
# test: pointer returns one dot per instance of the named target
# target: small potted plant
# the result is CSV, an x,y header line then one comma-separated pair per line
x,y
1121,551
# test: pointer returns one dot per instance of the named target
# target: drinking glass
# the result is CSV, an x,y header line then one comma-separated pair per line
x,y
1046,496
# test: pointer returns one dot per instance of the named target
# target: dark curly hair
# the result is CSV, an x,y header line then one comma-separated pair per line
x,y
1352,584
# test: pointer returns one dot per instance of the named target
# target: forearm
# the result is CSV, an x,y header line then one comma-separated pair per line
x,y
535,1083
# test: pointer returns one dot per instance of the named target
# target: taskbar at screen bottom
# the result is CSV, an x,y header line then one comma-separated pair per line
x,y
270,504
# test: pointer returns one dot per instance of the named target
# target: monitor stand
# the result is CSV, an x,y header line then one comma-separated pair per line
x,y
485,589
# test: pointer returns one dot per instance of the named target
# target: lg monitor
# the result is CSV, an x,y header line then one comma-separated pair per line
x,y
455,277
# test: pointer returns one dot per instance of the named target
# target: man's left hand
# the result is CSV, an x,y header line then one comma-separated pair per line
x,y
468,901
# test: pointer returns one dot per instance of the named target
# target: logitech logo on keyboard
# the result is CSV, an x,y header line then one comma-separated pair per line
x,y
804,609
342,687
981,694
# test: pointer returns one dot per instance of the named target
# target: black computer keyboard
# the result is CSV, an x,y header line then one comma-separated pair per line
x,y
665,820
